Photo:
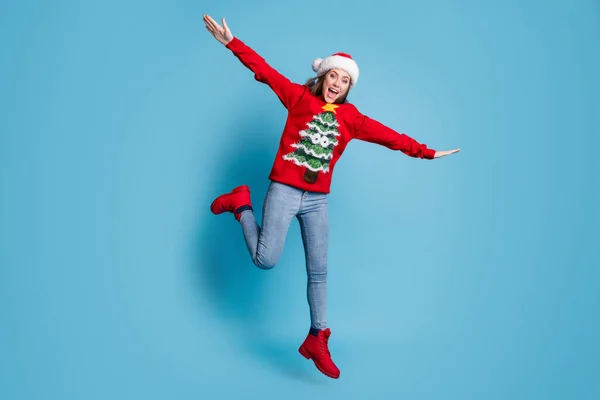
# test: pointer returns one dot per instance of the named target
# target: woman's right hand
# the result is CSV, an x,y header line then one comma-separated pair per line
x,y
221,33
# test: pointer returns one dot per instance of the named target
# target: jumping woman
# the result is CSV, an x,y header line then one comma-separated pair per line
x,y
320,124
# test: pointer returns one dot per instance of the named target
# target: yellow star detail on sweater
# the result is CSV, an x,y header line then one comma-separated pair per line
x,y
330,107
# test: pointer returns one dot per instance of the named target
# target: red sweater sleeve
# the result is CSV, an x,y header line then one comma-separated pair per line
x,y
288,92
370,130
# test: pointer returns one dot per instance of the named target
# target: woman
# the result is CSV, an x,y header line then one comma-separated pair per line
x,y
319,126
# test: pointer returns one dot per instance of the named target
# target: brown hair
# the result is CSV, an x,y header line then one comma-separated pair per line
x,y
315,85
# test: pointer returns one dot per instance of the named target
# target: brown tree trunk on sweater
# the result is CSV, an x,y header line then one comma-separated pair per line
x,y
310,176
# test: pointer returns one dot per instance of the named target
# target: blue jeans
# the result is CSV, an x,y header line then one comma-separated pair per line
x,y
282,203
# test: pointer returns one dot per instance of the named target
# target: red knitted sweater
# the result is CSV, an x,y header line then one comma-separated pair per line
x,y
316,133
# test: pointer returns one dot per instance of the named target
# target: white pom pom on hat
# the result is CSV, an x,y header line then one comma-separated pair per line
x,y
338,60
316,64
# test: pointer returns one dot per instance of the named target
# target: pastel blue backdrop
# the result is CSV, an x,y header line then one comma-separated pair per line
x,y
470,277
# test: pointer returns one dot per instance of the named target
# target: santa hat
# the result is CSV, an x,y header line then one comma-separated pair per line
x,y
338,60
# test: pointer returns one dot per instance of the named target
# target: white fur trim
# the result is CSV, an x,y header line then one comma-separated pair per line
x,y
341,62
316,64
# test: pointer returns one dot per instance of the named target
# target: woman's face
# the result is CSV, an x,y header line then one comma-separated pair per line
x,y
335,85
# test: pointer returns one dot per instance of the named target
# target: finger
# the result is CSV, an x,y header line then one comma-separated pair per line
x,y
213,24
227,30
207,21
218,27
210,29
209,18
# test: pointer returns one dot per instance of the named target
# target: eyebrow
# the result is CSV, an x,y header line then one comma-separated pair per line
x,y
343,76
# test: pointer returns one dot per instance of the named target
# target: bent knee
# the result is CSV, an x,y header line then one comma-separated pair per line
x,y
265,263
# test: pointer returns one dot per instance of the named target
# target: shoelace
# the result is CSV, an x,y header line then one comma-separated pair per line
x,y
324,344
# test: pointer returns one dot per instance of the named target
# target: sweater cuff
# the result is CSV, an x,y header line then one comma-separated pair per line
x,y
233,43
429,154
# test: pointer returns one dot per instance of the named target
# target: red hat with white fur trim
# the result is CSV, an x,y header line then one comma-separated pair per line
x,y
338,60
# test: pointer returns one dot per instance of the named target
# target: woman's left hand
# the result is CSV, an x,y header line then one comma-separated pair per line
x,y
439,154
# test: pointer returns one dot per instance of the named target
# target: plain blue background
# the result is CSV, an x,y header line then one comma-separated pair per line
x,y
469,277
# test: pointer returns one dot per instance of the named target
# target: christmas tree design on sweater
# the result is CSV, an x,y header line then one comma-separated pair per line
x,y
315,148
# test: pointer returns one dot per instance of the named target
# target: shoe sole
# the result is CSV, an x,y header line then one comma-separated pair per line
x,y
306,355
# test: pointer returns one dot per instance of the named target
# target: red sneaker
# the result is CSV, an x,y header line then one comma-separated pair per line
x,y
315,348
232,201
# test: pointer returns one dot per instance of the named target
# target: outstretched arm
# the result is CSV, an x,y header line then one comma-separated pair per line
x,y
289,93
370,130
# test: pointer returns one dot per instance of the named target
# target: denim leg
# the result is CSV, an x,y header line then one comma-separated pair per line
x,y
265,244
314,226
